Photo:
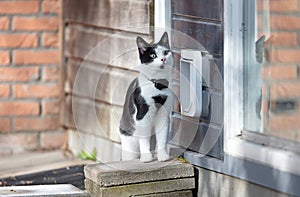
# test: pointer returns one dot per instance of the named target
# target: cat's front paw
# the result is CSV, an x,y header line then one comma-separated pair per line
x,y
163,157
146,157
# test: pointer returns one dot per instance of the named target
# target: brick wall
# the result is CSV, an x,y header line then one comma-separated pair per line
x,y
280,73
29,75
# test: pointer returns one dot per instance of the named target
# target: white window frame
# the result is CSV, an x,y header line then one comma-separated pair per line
x,y
242,159
233,111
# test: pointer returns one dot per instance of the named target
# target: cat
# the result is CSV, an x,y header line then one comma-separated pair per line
x,y
148,103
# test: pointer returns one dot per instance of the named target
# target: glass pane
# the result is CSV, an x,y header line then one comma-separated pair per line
x,y
271,70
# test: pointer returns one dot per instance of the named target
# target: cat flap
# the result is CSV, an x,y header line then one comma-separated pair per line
x,y
191,83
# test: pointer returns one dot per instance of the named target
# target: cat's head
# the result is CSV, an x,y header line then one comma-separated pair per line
x,y
155,55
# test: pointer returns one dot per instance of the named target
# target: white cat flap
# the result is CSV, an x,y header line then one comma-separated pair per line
x,y
191,83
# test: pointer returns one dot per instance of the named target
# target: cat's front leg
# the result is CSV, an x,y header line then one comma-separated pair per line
x,y
161,140
162,125
130,148
146,155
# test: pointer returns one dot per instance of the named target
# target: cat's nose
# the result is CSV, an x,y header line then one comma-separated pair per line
x,y
163,60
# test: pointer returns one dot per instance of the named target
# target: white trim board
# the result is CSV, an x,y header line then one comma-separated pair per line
x,y
247,170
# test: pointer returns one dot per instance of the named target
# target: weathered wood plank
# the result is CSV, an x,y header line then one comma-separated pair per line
x,y
107,151
103,47
96,81
92,117
207,34
200,137
127,15
69,175
206,9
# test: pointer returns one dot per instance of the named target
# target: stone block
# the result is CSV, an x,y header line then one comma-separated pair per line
x,y
185,193
129,172
153,188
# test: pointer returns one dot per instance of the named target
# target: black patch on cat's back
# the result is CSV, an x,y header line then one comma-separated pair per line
x,y
140,103
160,83
126,133
127,123
159,100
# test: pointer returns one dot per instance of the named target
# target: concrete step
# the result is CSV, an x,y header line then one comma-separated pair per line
x,y
129,172
186,193
65,190
134,178
138,189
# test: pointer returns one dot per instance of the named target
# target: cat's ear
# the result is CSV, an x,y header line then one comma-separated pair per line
x,y
141,44
164,41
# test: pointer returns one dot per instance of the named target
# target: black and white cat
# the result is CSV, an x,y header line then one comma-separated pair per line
x,y
148,103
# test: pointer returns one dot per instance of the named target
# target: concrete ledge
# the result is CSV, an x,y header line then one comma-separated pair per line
x,y
43,190
129,172
140,188
187,193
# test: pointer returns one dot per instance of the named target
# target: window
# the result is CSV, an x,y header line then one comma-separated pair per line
x,y
271,78
260,80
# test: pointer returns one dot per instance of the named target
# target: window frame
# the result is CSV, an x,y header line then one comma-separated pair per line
x,y
245,159
233,116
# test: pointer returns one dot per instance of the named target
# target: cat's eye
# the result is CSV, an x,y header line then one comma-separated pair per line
x,y
153,55
166,52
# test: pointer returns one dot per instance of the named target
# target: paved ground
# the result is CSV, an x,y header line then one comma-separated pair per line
x,y
32,162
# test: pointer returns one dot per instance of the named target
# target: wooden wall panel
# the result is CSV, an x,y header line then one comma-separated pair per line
x,y
103,46
203,22
209,35
201,137
100,60
125,15
105,83
206,9
100,119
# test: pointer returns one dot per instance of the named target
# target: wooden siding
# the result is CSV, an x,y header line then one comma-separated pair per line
x,y
202,21
97,71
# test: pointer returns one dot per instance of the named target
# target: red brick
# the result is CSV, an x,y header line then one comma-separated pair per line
x,y
27,141
279,72
35,57
18,108
50,6
285,90
50,107
4,58
18,74
36,124
284,56
19,7
50,40
4,91
278,5
35,24
4,23
284,39
18,40
53,140
51,73
285,22
36,91
4,125
285,122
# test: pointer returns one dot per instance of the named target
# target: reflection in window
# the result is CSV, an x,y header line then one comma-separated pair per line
x,y
271,70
